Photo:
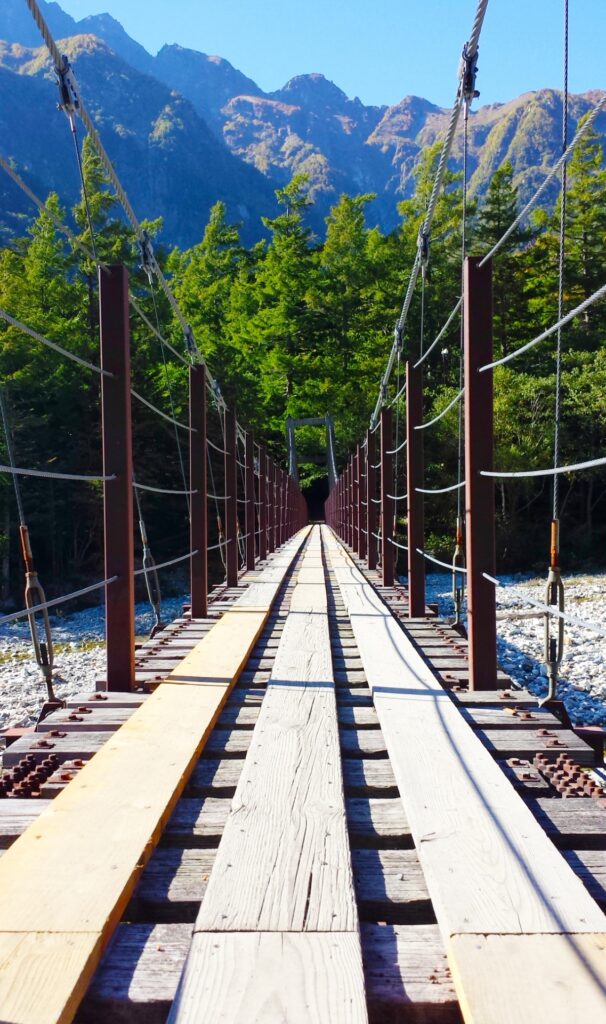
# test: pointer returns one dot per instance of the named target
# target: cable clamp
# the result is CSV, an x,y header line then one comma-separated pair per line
x,y
188,338
468,73
146,251
398,338
423,247
69,99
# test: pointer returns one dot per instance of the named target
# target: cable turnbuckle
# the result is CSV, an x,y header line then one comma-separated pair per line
x,y
553,650
468,73
423,247
69,99
146,251
458,563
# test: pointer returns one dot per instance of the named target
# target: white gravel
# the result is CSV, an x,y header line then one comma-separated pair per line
x,y
582,684
80,659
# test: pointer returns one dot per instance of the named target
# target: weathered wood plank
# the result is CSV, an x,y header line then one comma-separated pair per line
x,y
478,843
283,863
270,978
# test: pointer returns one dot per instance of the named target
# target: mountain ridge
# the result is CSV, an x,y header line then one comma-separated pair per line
x,y
248,142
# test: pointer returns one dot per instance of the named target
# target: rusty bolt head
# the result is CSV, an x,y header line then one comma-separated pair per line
x,y
554,743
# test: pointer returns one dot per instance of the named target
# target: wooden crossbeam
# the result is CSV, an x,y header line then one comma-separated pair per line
x,y
277,937
66,881
506,901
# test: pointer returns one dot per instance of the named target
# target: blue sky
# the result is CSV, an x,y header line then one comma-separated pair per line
x,y
382,50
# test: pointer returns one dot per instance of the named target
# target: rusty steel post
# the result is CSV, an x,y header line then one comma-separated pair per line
x,y
350,516
262,515
198,511
271,507
118,464
387,548
362,506
371,493
355,496
414,479
249,508
231,499
479,490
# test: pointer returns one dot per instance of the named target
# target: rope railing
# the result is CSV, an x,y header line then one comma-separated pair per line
x,y
50,475
163,415
599,294
52,344
554,471
440,490
165,565
437,561
55,602
436,419
160,490
549,609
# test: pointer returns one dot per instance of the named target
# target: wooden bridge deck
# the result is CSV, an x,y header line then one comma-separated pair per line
x,y
308,819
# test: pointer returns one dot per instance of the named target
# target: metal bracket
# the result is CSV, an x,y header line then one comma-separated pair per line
x,y
469,71
69,100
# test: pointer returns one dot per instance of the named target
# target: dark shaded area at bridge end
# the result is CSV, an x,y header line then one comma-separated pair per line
x,y
315,495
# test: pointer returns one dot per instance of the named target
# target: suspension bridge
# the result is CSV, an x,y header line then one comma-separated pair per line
x,y
307,798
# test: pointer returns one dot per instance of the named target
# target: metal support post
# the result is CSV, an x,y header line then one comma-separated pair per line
x,y
387,548
249,508
271,507
355,466
231,499
371,493
479,490
414,479
363,539
262,492
198,511
118,464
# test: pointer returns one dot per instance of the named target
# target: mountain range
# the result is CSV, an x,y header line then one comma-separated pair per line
x,y
185,129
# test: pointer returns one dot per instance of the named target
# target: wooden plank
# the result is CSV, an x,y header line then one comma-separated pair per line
x,y
270,978
283,863
119,801
479,845
549,979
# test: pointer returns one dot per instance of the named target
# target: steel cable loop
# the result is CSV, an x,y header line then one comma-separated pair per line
x,y
397,497
221,544
440,490
154,330
430,423
165,416
221,451
549,609
394,451
590,464
440,334
164,565
402,547
55,601
160,490
584,128
436,561
49,475
600,293
52,344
